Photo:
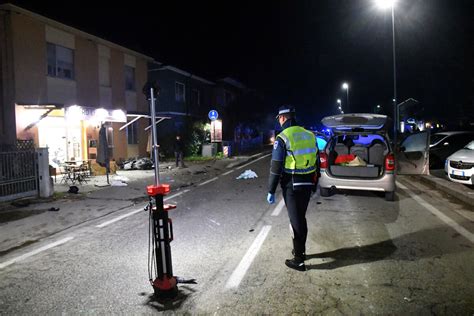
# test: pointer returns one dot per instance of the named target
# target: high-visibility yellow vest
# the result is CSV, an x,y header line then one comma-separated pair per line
x,y
301,150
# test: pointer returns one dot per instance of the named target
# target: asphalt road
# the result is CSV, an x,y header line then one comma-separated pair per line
x,y
366,256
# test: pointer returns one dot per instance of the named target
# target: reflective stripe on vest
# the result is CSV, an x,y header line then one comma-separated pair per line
x,y
301,150
301,171
286,141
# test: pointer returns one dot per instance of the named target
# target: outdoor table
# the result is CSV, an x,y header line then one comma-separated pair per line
x,y
76,172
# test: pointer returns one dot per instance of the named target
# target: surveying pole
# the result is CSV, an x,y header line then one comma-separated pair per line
x,y
164,282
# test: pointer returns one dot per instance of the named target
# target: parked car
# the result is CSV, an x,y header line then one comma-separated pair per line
x,y
445,144
359,155
460,166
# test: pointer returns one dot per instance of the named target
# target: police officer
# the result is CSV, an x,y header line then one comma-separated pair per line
x,y
295,165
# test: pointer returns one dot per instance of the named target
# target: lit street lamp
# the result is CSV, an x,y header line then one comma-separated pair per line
x,y
345,86
385,5
378,108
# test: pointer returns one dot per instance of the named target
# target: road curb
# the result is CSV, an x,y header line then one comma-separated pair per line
x,y
450,188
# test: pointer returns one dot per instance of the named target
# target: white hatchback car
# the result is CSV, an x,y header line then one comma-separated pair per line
x,y
460,166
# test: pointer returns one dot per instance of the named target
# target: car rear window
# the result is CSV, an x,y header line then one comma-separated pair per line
x,y
366,140
362,139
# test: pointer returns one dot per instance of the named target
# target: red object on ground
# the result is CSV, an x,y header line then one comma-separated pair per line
x,y
166,284
168,207
154,190
344,158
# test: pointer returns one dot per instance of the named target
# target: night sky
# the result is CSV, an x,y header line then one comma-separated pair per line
x,y
299,52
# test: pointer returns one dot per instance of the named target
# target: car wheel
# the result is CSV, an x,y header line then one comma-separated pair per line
x,y
324,192
390,196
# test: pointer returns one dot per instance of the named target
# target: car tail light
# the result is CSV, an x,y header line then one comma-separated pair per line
x,y
323,159
390,162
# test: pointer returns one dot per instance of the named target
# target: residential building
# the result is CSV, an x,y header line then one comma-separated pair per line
x,y
59,85
242,109
184,98
227,91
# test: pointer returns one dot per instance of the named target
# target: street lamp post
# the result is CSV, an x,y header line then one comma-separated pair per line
x,y
345,86
386,4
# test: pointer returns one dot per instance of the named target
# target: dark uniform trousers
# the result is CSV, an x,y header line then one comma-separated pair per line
x,y
296,202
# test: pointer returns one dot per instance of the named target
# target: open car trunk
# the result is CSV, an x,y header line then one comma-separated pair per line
x,y
358,149
364,159
356,171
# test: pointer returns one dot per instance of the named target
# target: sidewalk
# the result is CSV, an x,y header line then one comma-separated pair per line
x,y
24,225
438,180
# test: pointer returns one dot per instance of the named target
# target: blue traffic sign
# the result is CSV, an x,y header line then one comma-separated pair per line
x,y
213,115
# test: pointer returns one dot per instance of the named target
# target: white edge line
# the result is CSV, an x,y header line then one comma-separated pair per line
x,y
119,218
34,252
253,161
175,195
208,181
248,258
278,208
135,211
224,174
468,235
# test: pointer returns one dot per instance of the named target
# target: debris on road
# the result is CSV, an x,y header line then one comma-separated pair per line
x,y
116,183
248,174
119,181
137,164
121,178
73,189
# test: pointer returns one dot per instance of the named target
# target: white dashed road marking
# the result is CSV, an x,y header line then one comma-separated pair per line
x,y
34,252
278,208
119,218
248,258
208,181
228,172
253,161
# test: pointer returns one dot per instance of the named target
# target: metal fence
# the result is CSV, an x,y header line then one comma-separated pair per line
x,y
18,172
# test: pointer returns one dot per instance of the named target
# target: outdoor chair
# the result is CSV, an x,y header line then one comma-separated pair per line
x,y
67,172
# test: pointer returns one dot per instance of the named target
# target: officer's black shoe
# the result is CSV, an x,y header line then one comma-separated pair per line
x,y
302,256
296,263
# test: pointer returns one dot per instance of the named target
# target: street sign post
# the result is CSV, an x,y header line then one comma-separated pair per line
x,y
216,131
213,115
